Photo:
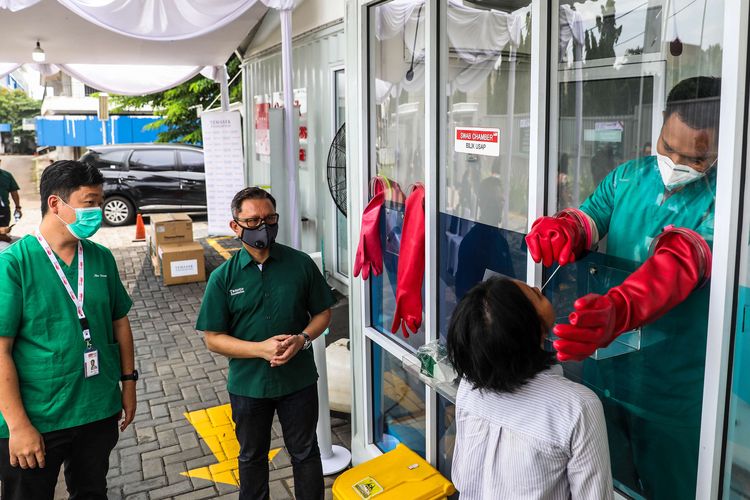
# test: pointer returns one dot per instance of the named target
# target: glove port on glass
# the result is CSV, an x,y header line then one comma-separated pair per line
x,y
598,279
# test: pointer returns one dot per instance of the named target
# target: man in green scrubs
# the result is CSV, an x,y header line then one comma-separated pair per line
x,y
262,308
657,213
8,186
63,306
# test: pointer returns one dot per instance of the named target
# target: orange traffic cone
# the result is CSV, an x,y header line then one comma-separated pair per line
x,y
140,229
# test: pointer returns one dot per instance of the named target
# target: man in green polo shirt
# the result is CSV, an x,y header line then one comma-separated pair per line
x,y
261,309
63,307
8,186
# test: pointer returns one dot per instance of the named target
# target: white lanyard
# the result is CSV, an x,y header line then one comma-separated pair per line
x,y
77,299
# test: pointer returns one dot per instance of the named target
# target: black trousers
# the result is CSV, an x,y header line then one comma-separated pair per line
x,y
298,415
85,452
4,216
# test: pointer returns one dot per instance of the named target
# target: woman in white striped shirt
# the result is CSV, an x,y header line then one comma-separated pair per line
x,y
523,431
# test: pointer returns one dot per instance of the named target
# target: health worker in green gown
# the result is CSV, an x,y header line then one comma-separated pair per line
x,y
657,215
67,368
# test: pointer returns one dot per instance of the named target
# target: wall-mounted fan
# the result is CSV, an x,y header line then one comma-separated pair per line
x,y
337,169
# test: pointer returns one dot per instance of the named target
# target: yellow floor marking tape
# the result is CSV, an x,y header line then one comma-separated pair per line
x,y
224,252
216,427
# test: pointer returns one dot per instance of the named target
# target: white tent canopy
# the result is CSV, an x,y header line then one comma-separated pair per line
x,y
143,46
129,47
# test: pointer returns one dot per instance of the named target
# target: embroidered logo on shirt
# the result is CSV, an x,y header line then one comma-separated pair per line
x,y
236,291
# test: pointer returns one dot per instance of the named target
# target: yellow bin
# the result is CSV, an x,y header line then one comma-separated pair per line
x,y
399,474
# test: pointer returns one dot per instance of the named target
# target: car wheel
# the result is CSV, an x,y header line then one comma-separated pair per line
x,y
118,211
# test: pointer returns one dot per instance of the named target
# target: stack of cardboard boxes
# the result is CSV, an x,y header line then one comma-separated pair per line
x,y
174,254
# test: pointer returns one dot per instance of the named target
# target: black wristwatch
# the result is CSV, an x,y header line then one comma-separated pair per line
x,y
133,376
308,340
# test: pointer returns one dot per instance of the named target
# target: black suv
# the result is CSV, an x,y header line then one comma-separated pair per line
x,y
149,178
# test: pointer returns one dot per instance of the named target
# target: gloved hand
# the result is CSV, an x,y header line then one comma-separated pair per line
x,y
681,261
562,238
408,312
369,257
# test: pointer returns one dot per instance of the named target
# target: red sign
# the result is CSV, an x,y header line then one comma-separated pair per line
x,y
477,135
478,141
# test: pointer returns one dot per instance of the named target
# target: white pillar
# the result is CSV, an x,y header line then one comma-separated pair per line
x,y
290,154
335,458
224,88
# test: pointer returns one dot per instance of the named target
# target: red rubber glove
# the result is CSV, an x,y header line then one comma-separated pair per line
x,y
681,262
369,257
408,312
561,238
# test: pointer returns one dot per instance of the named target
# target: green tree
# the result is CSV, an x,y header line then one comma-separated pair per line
x,y
15,105
178,107
609,33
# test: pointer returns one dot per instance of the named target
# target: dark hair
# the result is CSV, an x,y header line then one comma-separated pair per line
x,y
494,337
697,101
65,177
250,193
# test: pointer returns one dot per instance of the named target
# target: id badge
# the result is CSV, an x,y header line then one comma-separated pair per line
x,y
91,363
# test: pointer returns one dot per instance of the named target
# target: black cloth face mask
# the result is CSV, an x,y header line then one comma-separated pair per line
x,y
261,237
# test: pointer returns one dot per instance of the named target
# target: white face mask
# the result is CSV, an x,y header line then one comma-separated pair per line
x,y
675,176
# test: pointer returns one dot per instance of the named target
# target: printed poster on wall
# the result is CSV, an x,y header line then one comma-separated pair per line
x,y
262,136
225,167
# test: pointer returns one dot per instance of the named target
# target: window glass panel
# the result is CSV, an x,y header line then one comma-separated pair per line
x,y
446,413
398,404
397,107
114,160
737,462
192,161
342,254
618,61
484,186
153,159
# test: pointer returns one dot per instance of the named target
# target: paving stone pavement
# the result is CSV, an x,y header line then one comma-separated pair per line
x,y
178,375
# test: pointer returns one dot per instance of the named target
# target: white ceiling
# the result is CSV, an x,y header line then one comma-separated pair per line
x,y
68,38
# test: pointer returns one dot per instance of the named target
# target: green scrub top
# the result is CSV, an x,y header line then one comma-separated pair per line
x,y
7,185
652,397
664,379
255,304
48,343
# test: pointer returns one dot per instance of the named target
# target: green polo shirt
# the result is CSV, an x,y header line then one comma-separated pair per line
x,y
48,347
255,305
7,185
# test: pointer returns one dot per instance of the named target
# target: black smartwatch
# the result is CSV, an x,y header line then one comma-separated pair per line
x,y
133,376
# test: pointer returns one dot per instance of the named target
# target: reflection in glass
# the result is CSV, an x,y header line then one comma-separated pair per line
x,y
613,124
397,71
484,190
488,79
398,404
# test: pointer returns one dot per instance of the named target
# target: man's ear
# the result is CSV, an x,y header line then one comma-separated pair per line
x,y
236,229
53,203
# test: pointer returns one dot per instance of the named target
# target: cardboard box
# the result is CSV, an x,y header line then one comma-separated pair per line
x,y
181,263
170,228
